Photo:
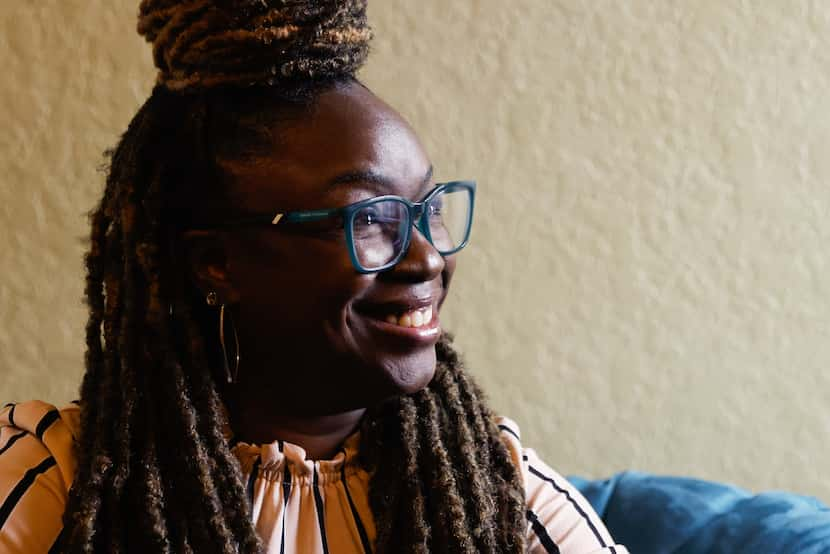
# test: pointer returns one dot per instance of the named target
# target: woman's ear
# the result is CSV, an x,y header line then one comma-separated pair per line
x,y
205,255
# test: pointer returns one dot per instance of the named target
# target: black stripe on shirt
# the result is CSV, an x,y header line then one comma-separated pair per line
x,y
286,490
364,538
321,519
22,486
11,441
509,430
252,481
11,413
579,509
45,422
542,533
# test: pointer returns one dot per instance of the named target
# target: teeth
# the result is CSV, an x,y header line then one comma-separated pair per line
x,y
415,318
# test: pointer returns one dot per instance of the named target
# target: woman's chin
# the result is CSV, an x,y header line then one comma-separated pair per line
x,y
410,375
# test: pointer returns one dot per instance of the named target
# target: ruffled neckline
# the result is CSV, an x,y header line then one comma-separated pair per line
x,y
277,455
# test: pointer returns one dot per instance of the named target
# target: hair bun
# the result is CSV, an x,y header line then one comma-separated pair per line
x,y
207,43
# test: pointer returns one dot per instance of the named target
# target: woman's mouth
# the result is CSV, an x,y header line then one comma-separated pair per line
x,y
413,318
419,327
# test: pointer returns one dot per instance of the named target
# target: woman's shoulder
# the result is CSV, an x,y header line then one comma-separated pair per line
x,y
559,518
37,464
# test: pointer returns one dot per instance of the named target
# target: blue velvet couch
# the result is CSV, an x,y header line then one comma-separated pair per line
x,y
672,515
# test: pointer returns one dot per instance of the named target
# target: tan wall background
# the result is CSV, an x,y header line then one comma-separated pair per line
x,y
647,285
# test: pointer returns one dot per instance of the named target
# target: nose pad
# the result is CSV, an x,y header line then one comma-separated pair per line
x,y
418,212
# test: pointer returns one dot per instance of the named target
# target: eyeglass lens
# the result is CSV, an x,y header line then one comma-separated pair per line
x,y
378,230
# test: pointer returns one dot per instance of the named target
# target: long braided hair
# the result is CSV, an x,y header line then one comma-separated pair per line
x,y
155,470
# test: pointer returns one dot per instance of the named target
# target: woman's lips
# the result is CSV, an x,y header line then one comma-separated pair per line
x,y
416,327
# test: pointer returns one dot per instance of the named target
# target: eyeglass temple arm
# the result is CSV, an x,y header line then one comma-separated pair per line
x,y
275,219
300,217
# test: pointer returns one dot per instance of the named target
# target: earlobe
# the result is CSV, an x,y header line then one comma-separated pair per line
x,y
205,258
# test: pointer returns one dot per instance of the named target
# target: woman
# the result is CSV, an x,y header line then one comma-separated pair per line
x,y
265,367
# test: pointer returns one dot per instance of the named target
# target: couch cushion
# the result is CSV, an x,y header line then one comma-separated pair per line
x,y
660,514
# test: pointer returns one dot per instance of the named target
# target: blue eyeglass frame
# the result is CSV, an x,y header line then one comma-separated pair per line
x,y
416,211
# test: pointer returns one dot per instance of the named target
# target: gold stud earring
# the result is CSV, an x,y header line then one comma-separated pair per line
x,y
212,299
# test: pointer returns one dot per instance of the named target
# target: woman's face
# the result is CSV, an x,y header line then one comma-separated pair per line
x,y
309,324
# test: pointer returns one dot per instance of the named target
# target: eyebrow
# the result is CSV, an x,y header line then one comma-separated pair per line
x,y
378,181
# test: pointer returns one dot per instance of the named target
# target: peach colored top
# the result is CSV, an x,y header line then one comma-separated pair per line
x,y
299,505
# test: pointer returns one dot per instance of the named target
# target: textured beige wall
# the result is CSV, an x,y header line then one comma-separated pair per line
x,y
647,285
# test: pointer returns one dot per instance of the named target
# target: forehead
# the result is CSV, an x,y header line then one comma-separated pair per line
x,y
317,159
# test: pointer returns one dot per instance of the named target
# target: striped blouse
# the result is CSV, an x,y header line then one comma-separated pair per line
x,y
299,505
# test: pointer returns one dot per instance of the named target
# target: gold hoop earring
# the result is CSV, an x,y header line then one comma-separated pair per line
x,y
212,299
231,376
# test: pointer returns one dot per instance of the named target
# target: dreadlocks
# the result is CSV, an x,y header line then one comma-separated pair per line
x,y
214,42
155,470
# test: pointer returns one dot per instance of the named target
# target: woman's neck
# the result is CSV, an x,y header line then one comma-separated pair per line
x,y
319,435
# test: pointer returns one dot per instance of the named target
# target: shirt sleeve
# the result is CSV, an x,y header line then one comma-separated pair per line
x,y
33,477
560,520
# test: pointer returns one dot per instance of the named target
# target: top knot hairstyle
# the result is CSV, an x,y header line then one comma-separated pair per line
x,y
155,470
205,43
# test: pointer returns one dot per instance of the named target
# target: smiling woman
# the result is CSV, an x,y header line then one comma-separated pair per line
x,y
276,384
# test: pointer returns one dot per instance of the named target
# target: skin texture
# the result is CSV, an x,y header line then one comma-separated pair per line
x,y
310,363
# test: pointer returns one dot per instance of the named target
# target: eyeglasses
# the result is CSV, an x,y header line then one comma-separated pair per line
x,y
379,230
